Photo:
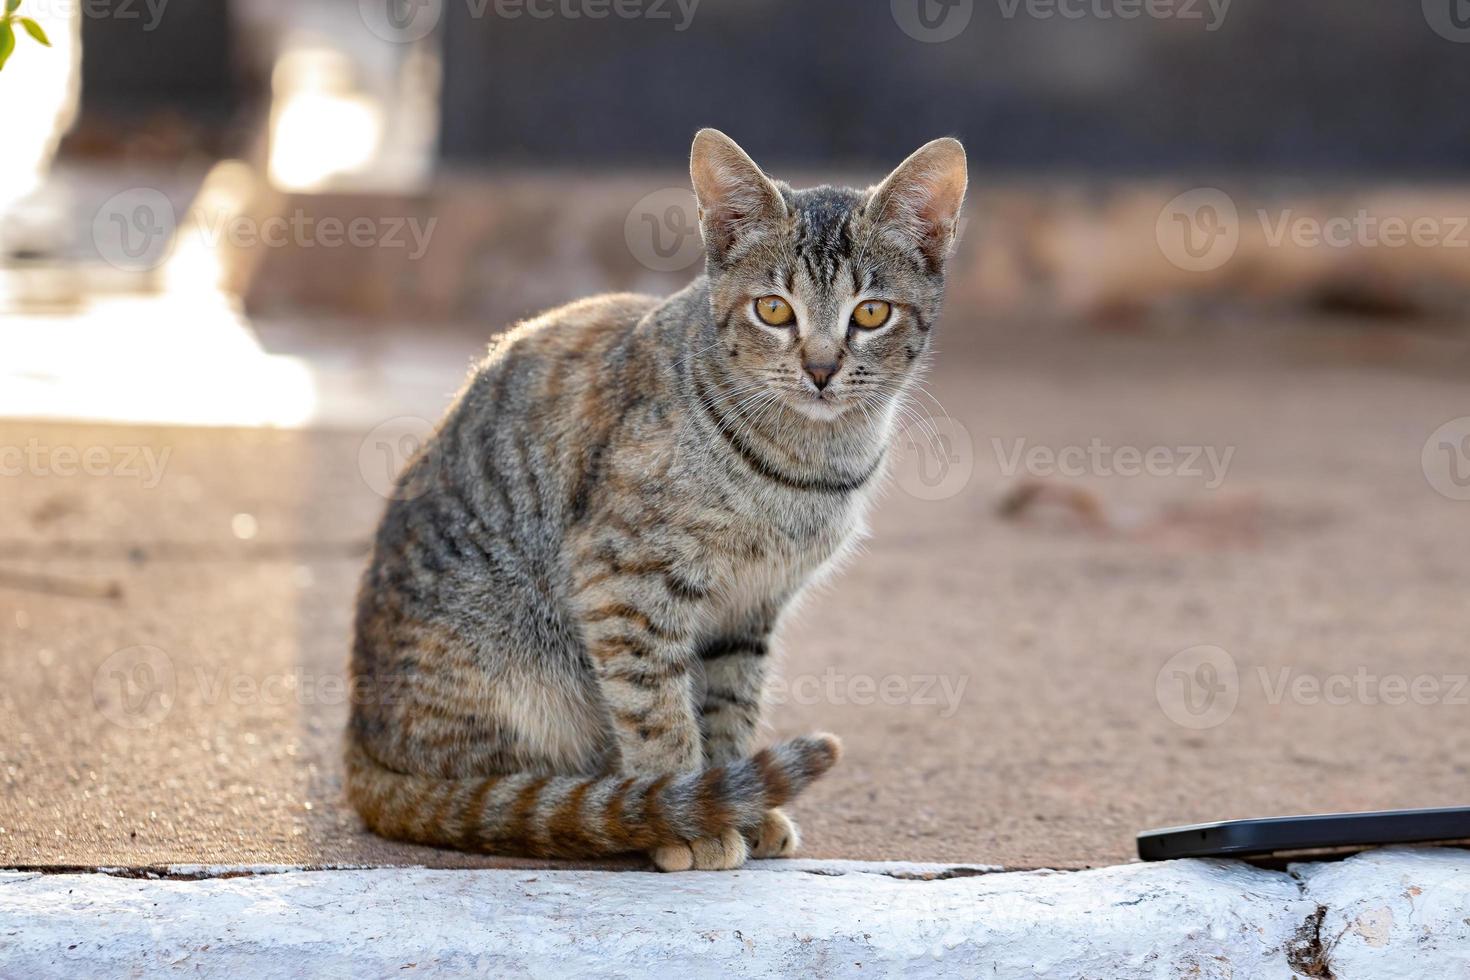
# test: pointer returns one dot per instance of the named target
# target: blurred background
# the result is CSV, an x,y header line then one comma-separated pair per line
x,y
148,147
248,249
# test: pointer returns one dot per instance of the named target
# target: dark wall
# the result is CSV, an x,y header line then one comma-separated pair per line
x,y
142,55
1335,86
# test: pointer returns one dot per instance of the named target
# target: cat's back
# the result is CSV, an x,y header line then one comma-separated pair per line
x,y
578,334
481,511
543,369
523,430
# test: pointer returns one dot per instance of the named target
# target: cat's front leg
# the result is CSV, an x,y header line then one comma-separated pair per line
x,y
641,659
734,676
735,672
639,615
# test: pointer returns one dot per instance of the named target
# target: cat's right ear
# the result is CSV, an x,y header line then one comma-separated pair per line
x,y
736,199
920,201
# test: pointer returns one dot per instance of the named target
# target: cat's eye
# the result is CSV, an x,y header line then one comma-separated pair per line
x,y
774,311
871,314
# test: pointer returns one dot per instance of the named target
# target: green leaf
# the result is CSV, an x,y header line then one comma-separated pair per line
x,y
11,6
34,30
7,41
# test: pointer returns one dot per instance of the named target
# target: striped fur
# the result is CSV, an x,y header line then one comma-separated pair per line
x,y
564,632
543,815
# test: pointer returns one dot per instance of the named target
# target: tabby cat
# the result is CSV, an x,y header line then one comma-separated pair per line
x,y
564,631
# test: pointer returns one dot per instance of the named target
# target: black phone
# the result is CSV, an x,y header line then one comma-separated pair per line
x,y
1270,835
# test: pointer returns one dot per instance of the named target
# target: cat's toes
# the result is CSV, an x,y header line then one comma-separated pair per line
x,y
674,857
778,837
720,853
706,854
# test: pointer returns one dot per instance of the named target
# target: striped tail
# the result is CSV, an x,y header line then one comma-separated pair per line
x,y
583,816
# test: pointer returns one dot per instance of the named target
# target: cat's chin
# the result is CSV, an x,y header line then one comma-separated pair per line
x,y
820,409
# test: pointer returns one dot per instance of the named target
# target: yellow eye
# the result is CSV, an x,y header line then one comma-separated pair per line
x,y
774,311
871,314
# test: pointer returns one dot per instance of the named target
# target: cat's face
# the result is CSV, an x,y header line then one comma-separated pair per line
x,y
825,298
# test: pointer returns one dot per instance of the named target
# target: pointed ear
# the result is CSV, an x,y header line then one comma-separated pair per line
x,y
735,198
920,201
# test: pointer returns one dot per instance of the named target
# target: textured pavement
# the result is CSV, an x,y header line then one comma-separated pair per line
x,y
1389,914
173,653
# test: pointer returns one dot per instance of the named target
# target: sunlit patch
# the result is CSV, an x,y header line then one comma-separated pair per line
x,y
183,356
40,86
321,128
195,264
185,360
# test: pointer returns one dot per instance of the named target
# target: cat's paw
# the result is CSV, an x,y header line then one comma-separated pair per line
x,y
706,854
778,836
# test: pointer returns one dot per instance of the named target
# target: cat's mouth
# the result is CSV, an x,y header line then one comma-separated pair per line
x,y
821,405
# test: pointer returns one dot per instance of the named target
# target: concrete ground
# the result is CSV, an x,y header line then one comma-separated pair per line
x,y
1012,662
1384,915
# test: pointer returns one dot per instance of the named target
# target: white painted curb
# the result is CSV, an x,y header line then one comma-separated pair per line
x,y
1183,918
1393,914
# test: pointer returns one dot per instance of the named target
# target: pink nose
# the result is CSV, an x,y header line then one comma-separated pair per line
x,y
820,374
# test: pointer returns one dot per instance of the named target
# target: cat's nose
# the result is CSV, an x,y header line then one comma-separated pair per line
x,y
820,374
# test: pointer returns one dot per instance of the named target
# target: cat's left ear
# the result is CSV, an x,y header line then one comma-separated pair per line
x,y
920,201
735,197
